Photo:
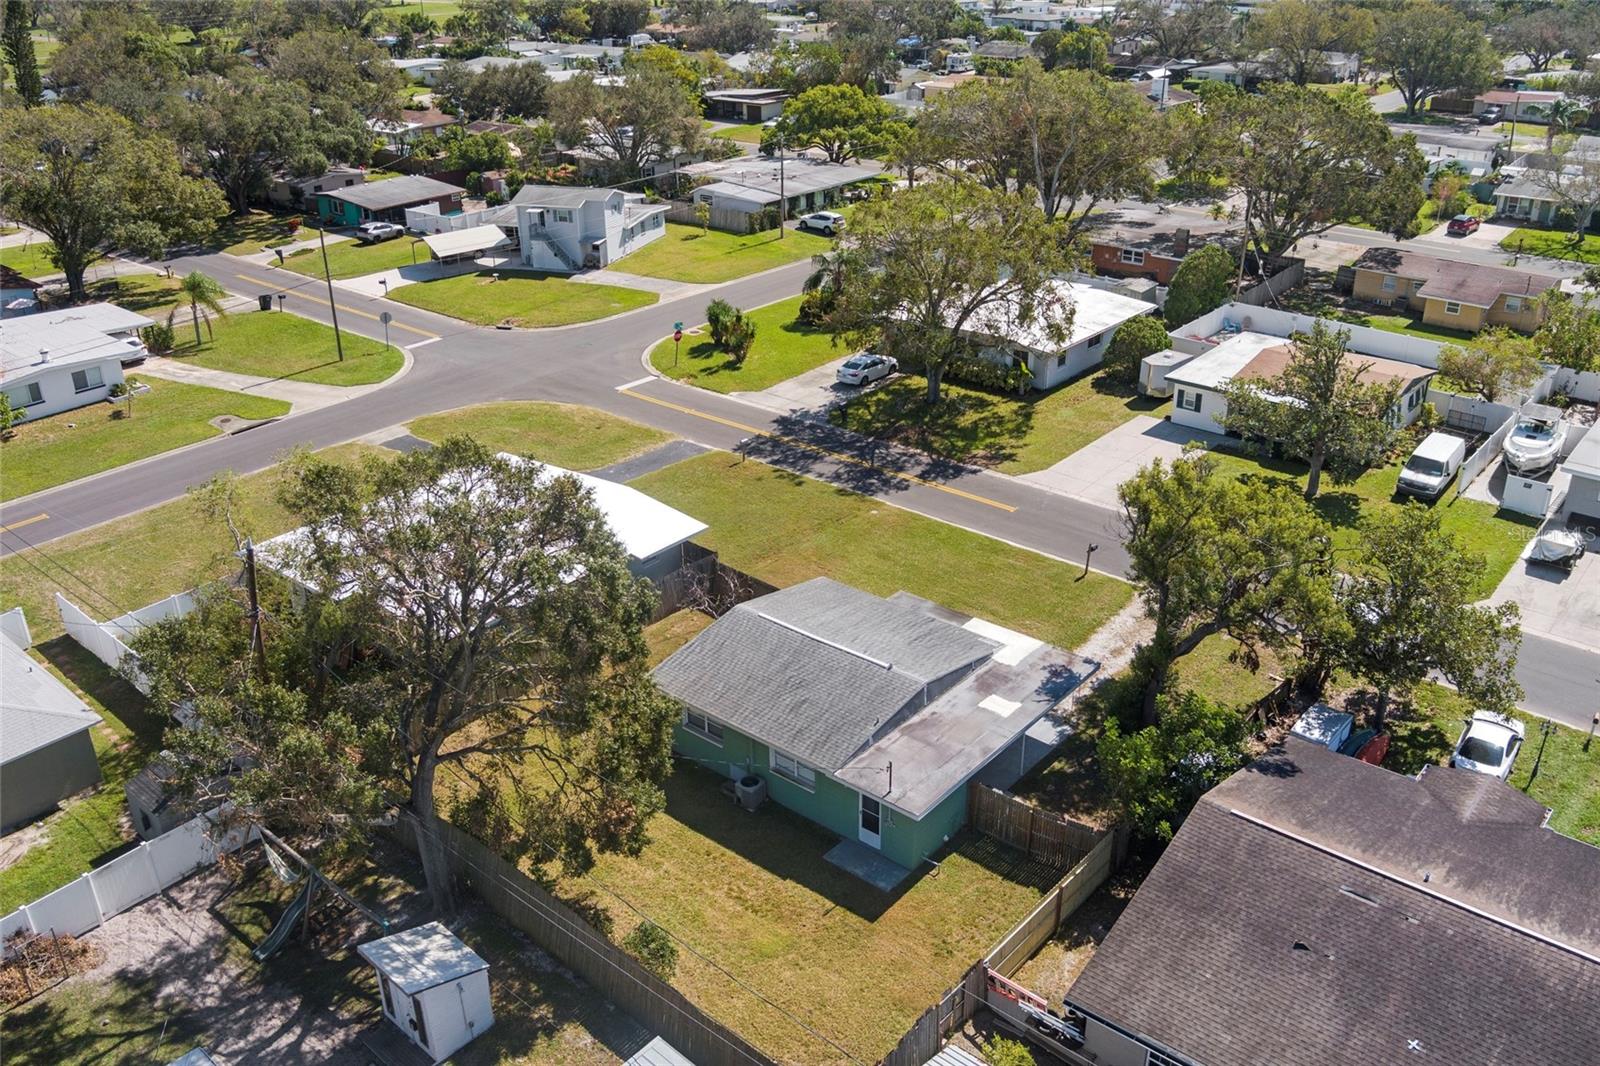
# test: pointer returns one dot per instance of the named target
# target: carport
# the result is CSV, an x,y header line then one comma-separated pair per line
x,y
453,246
1583,489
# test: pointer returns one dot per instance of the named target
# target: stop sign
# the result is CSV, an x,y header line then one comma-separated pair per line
x,y
677,334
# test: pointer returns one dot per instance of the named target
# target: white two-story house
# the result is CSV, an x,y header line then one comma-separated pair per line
x,y
565,229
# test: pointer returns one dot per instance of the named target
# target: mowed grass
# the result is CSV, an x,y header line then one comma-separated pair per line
x,y
90,830
1553,244
1479,528
747,133
685,253
270,344
525,300
570,436
75,444
783,348
784,529
351,259
84,1022
30,260
133,561
1015,434
257,231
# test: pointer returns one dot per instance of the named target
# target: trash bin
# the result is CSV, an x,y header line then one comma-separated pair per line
x,y
265,300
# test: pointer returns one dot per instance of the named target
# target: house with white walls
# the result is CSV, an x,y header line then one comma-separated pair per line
x,y
1097,313
56,361
559,228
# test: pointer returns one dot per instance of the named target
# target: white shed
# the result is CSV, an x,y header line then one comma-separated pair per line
x,y
434,987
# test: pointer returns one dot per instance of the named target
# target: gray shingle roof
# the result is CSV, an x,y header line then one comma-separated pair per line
x,y
36,710
393,192
559,195
1289,923
818,668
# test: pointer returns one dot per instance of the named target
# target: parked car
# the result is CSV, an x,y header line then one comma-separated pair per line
x,y
1489,745
1558,547
1462,225
1535,442
1490,115
868,366
826,223
374,232
1432,466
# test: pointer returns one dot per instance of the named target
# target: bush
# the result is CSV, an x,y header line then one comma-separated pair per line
x,y
1203,282
1156,775
159,338
1001,1051
976,372
816,307
740,335
1134,340
650,944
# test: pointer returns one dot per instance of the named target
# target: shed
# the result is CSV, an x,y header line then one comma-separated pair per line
x,y
1153,371
658,1053
46,753
434,987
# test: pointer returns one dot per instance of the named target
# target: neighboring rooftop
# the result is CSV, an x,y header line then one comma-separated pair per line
x,y
1260,355
1316,909
1445,279
1003,50
32,343
1163,239
797,175
422,958
395,192
561,195
36,710
749,96
107,318
1094,310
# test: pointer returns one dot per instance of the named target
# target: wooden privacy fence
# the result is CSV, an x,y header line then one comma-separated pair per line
x,y
614,973
954,1009
1045,836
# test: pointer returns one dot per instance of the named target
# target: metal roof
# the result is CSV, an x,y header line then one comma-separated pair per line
x,y
36,710
658,1053
393,192
462,241
560,195
422,958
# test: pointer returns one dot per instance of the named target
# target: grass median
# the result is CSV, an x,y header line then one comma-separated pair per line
x,y
784,347
30,260
352,259
270,344
527,300
1552,244
570,436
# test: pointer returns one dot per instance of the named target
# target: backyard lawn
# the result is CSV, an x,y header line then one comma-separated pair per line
x,y
75,444
258,231
1017,435
687,254
749,133
784,529
1479,528
30,260
270,344
349,259
1554,244
525,300
783,348
577,438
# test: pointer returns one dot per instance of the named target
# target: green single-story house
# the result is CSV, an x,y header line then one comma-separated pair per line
x,y
388,200
867,715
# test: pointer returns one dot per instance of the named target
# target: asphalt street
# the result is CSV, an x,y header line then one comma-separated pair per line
x,y
599,364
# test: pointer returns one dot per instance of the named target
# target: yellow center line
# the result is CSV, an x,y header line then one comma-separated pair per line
x,y
838,456
358,311
40,517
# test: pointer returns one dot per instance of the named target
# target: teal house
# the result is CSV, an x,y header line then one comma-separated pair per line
x,y
867,715
388,200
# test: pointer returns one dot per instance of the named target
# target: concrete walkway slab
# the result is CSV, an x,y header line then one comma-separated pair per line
x,y
1093,472
674,451
668,289
812,391
302,396
1561,606
869,865
386,281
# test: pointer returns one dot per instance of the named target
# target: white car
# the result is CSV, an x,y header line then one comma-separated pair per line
x,y
860,369
1535,441
373,232
825,222
1489,745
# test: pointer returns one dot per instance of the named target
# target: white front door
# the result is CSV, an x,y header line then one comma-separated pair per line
x,y
871,821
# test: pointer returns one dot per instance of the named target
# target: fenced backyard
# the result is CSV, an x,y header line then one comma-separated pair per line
x,y
1044,835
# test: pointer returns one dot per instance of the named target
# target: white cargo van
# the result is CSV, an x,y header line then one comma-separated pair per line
x,y
1432,466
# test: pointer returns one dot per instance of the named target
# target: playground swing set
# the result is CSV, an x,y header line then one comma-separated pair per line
x,y
299,911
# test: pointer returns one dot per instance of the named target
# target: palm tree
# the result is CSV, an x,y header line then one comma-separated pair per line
x,y
204,297
1561,117
828,272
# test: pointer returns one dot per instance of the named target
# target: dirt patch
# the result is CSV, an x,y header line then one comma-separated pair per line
x,y
34,963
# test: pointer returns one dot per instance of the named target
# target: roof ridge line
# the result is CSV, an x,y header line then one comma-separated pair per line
x,y
824,640
1425,889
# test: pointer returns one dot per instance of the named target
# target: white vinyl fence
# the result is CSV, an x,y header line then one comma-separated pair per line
x,y
105,640
131,878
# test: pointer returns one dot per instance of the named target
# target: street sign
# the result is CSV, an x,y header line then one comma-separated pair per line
x,y
386,318
677,334
677,327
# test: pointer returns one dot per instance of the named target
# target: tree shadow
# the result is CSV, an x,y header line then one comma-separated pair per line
x,y
964,425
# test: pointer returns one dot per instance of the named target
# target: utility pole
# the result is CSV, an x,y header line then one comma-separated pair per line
x,y
783,200
333,309
258,646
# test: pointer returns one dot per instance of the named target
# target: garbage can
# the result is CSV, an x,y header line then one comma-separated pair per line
x,y
265,300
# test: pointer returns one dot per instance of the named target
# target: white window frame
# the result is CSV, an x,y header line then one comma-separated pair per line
x,y
1452,307
88,386
34,393
1131,256
561,214
1513,305
1094,341
1187,395
703,727
1389,282
791,769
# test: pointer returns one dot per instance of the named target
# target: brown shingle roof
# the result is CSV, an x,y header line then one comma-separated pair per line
x,y
1315,910
1269,363
1445,279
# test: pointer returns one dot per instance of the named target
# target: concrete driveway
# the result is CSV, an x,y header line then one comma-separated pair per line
x,y
1555,604
1093,472
814,390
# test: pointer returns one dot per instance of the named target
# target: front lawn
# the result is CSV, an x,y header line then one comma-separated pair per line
x,y
1480,528
785,529
749,133
271,344
257,231
577,438
783,348
1015,434
527,300
30,260
351,259
75,444
685,253
1553,244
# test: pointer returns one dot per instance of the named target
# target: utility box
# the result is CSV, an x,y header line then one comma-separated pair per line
x,y
434,987
1324,725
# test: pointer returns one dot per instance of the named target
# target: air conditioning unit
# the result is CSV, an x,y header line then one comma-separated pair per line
x,y
750,791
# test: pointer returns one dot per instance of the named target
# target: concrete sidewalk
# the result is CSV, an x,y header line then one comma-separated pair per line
x,y
302,396
669,290
384,282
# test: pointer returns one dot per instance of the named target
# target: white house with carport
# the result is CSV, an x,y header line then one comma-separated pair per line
x,y
1097,314
557,228
433,986
58,361
750,185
